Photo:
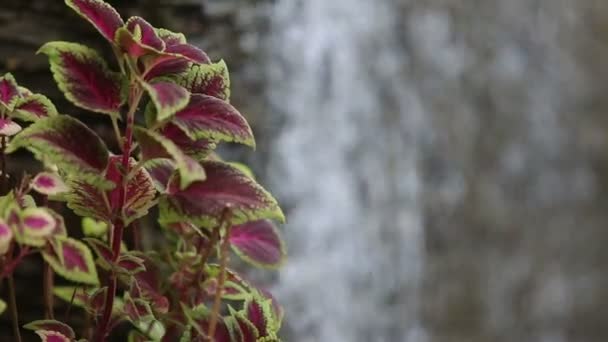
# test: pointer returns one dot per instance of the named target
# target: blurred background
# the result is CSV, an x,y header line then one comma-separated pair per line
x,y
443,163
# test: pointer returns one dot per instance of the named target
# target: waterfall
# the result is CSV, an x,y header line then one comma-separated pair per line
x,y
345,166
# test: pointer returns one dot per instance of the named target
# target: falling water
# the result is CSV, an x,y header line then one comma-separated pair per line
x,y
346,165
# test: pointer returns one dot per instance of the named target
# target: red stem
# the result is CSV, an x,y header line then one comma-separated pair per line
x,y
118,224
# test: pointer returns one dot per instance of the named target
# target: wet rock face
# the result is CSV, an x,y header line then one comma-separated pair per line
x,y
514,173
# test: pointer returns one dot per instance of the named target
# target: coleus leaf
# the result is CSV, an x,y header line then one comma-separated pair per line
x,y
9,92
84,77
2,306
259,243
6,237
154,145
59,224
48,183
80,297
103,251
71,294
209,79
259,312
130,264
52,336
212,118
248,331
95,301
160,170
175,58
139,312
167,97
37,222
9,127
52,325
34,107
204,202
72,260
138,38
198,148
103,16
59,140
88,200
40,225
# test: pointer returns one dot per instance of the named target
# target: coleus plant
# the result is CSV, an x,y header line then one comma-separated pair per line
x,y
169,106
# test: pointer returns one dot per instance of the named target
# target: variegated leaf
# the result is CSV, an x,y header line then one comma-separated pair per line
x,y
212,118
6,237
138,38
167,97
59,140
9,92
88,200
52,325
84,77
259,243
100,14
225,188
72,260
9,127
154,145
34,107
209,79
37,222
48,183
52,336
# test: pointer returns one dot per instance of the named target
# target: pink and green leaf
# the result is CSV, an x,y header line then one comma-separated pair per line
x,y
9,127
259,243
34,107
86,199
103,252
72,260
160,170
138,38
52,325
212,118
167,97
208,79
9,92
84,77
153,146
198,148
6,237
48,183
59,140
140,190
100,14
52,336
37,222
204,202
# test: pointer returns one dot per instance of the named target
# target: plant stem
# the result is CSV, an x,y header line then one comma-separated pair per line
x,y
13,308
217,301
48,281
118,224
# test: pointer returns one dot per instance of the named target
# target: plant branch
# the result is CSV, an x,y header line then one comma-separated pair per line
x,y
118,224
215,312
12,298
